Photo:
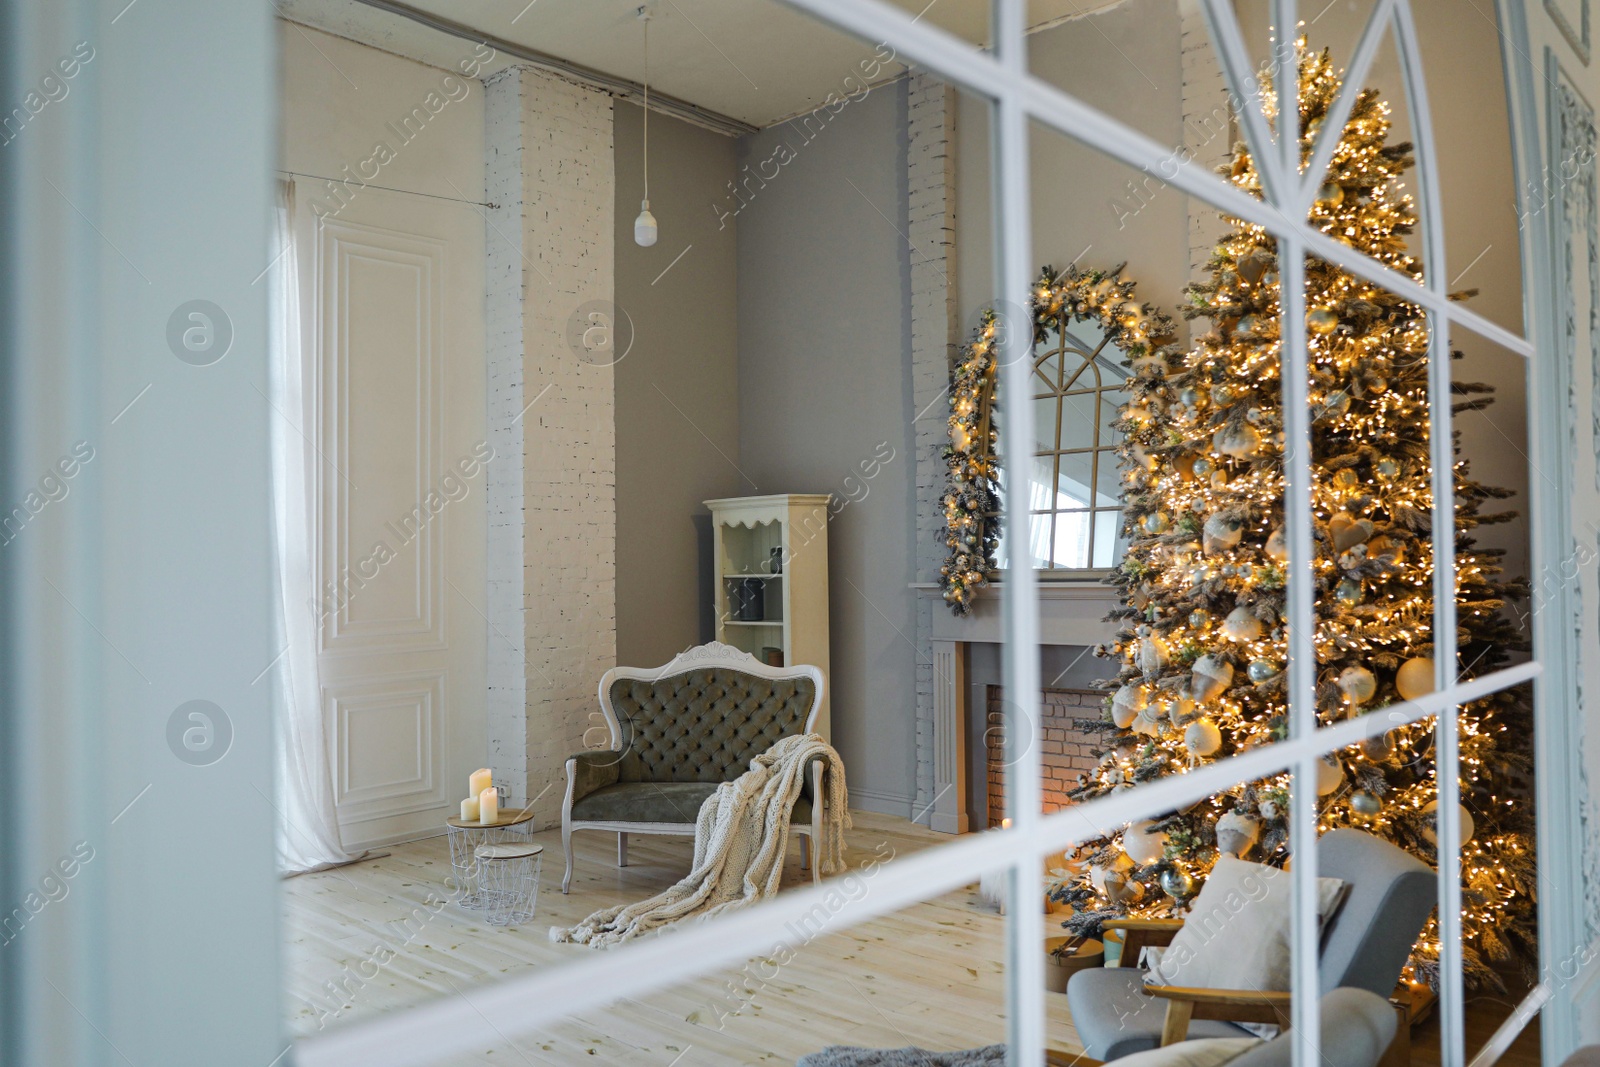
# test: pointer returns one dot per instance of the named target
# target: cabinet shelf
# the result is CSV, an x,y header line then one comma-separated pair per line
x,y
748,533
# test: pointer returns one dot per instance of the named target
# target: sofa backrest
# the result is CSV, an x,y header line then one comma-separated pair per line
x,y
704,724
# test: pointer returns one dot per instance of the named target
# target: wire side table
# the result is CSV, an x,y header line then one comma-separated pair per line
x,y
508,881
514,827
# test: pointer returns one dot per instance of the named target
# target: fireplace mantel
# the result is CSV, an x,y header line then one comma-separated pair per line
x,y
1070,614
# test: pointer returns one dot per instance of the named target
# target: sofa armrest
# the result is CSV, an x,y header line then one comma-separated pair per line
x,y
591,770
806,772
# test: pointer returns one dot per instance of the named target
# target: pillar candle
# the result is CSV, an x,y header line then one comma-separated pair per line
x,y
480,780
488,807
469,810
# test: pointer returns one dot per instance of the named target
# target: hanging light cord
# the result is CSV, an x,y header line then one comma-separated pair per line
x,y
644,13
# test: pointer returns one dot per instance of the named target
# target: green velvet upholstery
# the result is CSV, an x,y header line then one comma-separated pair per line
x,y
704,725
672,802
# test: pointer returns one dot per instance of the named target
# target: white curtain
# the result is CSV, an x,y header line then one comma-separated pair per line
x,y
308,827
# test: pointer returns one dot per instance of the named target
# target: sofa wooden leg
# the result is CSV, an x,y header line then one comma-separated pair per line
x,y
566,847
622,848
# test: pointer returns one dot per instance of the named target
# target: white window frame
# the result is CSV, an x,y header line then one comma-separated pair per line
x,y
430,1031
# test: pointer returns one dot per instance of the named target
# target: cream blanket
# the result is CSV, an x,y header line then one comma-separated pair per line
x,y
740,840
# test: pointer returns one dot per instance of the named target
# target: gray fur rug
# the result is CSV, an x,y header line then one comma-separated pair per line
x,y
843,1056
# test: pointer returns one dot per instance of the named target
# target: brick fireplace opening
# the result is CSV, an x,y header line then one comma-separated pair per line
x,y
1067,748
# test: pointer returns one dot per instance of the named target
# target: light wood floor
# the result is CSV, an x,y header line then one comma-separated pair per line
x,y
930,975
371,938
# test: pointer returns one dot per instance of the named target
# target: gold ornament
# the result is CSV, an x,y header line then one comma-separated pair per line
x,y
1322,320
1414,678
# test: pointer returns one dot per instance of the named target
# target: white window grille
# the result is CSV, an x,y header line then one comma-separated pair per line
x,y
423,1034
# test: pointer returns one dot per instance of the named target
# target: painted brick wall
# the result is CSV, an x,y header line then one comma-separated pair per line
x,y
1066,749
550,173
930,155
503,322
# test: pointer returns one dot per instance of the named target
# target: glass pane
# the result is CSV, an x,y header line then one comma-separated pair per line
x,y
1109,541
1077,421
1048,371
1044,423
1070,545
1074,480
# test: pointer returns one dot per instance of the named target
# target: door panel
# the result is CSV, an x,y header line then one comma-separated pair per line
x,y
394,299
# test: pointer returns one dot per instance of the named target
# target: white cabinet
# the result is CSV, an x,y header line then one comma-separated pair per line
x,y
762,612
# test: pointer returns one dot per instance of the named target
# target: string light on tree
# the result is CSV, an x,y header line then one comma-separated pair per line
x,y
1205,568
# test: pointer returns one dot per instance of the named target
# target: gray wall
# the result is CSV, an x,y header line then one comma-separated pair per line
x,y
824,375
1126,63
677,407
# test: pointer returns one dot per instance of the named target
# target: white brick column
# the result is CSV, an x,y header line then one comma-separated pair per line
x,y
552,524
935,326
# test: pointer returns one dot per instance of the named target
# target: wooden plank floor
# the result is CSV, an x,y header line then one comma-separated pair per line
x,y
370,938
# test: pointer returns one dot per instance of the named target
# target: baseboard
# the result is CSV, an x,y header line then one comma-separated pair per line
x,y
880,803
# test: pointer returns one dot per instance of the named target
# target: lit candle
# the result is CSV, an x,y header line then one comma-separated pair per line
x,y
469,810
488,807
480,781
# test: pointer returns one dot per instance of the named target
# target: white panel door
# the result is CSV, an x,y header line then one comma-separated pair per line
x,y
392,292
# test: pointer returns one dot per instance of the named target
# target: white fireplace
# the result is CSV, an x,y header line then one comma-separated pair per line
x,y
966,660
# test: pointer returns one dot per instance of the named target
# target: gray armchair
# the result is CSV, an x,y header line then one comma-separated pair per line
x,y
1364,946
679,731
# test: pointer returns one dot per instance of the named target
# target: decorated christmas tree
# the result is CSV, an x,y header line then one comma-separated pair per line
x,y
1202,639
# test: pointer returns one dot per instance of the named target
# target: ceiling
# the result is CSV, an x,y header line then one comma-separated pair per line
x,y
756,61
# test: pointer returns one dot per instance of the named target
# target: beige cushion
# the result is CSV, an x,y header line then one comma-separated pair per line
x,y
1236,935
1207,1052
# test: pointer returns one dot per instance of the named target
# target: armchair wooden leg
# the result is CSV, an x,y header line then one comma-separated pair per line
x,y
805,852
622,848
566,847
1176,1027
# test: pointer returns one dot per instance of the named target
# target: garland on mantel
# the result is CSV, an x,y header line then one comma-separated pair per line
x,y
971,498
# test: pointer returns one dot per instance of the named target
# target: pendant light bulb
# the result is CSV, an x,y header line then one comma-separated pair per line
x,y
644,227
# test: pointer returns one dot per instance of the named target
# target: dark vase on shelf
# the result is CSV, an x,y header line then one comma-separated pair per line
x,y
775,561
749,600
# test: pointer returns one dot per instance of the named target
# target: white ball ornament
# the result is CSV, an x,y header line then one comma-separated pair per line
x,y
1241,626
1269,809
1414,678
1240,442
1220,534
1330,776
1430,832
1237,833
1357,684
1211,678
1143,846
1127,703
1202,738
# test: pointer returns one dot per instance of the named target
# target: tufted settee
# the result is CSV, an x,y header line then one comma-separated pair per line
x,y
679,731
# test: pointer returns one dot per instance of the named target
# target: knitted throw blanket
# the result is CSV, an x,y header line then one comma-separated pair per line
x,y
740,839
